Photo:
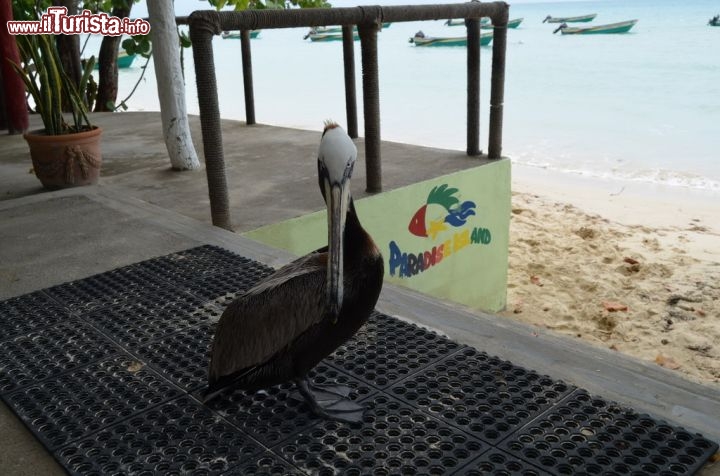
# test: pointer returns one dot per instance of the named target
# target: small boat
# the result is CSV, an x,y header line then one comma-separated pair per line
x,y
714,21
329,36
235,35
124,60
421,40
461,21
620,27
579,19
338,29
511,24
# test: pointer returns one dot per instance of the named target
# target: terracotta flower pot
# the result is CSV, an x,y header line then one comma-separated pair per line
x,y
67,160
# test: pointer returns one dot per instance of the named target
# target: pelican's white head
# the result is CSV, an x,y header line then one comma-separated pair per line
x,y
337,154
336,158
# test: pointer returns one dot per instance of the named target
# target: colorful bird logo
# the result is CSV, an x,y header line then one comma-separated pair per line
x,y
455,213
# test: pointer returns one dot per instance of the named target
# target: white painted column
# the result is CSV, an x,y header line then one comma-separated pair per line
x,y
171,86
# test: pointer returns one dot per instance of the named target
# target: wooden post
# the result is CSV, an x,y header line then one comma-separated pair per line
x,y
473,86
203,25
497,91
350,95
247,77
371,106
13,87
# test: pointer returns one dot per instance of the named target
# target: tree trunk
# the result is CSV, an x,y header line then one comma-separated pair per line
x,y
69,50
171,86
108,72
13,87
3,111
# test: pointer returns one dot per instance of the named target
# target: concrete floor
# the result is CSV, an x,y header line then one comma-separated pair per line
x,y
261,162
142,209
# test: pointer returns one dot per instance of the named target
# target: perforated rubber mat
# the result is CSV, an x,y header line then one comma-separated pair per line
x,y
105,371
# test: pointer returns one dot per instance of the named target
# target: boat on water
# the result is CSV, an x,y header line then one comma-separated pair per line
x,y
461,21
714,21
235,35
328,36
511,24
332,33
421,40
620,27
124,60
338,29
578,19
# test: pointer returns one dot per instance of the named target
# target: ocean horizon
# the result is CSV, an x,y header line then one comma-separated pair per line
x,y
641,106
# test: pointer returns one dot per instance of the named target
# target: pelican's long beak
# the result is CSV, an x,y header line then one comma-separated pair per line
x,y
338,200
336,158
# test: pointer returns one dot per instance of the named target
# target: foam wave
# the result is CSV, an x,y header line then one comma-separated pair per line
x,y
567,162
654,176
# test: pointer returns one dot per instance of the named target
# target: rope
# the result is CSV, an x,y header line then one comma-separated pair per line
x,y
473,86
203,25
371,105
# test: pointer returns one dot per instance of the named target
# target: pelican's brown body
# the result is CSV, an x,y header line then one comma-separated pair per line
x,y
279,330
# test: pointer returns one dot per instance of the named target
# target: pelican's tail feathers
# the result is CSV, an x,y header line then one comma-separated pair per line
x,y
211,392
217,386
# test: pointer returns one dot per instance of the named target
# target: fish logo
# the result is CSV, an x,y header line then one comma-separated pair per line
x,y
455,213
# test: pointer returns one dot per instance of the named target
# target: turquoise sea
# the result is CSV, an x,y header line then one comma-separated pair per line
x,y
641,106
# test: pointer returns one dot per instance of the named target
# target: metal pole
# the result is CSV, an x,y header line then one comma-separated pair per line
x,y
371,105
350,96
247,77
473,86
202,28
497,91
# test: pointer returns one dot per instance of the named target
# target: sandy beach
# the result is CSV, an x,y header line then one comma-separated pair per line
x,y
631,266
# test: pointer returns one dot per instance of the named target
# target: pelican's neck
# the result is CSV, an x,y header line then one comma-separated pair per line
x,y
357,242
352,224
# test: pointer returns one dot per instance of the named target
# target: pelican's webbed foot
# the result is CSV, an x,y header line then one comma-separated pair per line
x,y
331,401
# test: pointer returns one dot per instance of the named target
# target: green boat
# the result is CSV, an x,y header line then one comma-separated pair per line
x,y
511,24
338,29
579,19
461,21
328,36
124,60
714,21
235,35
620,27
421,40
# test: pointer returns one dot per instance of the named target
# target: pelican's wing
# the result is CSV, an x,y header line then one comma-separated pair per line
x,y
270,316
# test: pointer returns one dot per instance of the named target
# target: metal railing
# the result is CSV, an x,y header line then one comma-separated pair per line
x,y
207,23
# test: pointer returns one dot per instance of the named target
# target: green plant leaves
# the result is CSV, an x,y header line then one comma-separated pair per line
x,y
138,45
49,84
184,39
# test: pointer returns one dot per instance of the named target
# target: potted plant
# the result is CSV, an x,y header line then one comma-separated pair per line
x,y
63,154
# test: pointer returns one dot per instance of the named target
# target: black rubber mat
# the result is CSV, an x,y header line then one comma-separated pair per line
x,y
14,312
105,371
483,395
77,403
48,351
386,350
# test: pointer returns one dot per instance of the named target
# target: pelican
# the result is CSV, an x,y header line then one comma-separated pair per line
x,y
281,328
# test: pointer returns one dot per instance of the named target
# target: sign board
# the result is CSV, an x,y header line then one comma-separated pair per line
x,y
447,237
